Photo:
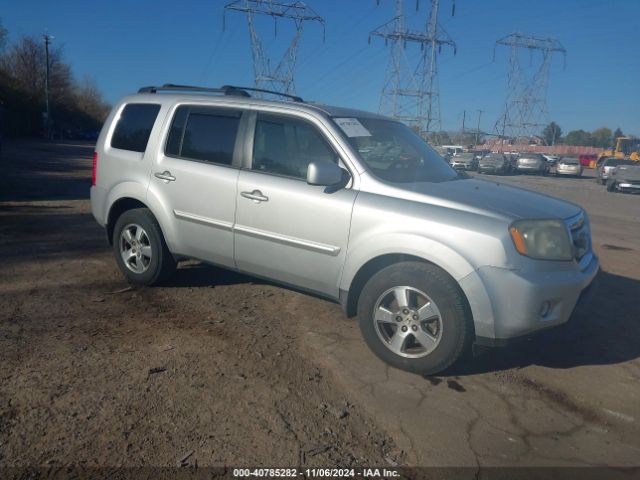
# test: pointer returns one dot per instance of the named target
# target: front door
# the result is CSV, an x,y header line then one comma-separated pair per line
x,y
286,229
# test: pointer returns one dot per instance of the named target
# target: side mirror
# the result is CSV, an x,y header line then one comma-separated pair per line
x,y
323,173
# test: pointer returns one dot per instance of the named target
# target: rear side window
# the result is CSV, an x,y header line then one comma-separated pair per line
x,y
134,126
204,134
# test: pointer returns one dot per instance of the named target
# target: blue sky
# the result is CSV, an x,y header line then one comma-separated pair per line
x,y
125,44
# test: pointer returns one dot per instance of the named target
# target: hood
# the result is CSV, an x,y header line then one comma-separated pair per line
x,y
462,160
628,172
493,198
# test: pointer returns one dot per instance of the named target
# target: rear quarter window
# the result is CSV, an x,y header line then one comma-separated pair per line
x,y
134,126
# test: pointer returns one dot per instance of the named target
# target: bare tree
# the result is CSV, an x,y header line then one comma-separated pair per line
x,y
88,99
25,63
3,37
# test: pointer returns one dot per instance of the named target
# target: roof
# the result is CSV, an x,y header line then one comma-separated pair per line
x,y
235,95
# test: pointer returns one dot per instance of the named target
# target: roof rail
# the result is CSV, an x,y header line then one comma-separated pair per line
x,y
170,87
295,98
225,90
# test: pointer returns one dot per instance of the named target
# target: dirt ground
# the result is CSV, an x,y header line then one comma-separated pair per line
x,y
217,368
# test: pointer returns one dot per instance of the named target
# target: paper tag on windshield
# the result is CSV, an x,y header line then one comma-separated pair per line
x,y
352,127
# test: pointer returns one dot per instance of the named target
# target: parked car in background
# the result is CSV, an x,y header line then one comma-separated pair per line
x,y
586,159
512,158
607,165
551,159
494,163
464,161
532,163
569,166
625,178
479,154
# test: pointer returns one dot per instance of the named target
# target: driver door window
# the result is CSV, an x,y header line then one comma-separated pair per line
x,y
285,146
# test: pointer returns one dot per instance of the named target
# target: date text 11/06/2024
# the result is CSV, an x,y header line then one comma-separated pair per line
x,y
315,472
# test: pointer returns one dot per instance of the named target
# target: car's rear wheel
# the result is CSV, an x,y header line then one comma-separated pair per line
x,y
612,187
141,252
413,316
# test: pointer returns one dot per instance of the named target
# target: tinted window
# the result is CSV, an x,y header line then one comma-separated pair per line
x,y
203,134
134,126
174,140
286,146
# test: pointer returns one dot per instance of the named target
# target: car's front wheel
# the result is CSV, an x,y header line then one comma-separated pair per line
x,y
414,317
140,249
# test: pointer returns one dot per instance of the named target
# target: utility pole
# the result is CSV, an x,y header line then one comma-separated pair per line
x,y
410,92
478,127
464,117
47,124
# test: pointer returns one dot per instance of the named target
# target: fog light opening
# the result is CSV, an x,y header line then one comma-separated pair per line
x,y
545,309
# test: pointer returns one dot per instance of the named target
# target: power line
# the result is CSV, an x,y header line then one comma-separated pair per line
x,y
525,110
411,94
280,78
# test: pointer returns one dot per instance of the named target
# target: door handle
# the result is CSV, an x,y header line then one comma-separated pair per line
x,y
256,196
166,176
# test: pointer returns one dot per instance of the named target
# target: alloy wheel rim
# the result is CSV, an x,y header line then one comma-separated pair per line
x,y
135,248
408,322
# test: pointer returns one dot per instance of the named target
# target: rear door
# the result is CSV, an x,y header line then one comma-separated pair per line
x,y
196,178
286,229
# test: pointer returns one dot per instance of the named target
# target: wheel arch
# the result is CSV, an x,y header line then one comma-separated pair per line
x,y
350,300
350,295
117,209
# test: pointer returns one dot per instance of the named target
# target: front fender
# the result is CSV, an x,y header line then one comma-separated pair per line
x,y
373,246
452,262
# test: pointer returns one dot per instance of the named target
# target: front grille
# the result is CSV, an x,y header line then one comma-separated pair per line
x,y
580,235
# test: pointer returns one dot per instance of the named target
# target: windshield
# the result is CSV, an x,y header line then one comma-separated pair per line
x,y
394,153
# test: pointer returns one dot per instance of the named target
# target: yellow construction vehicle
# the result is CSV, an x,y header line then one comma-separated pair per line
x,y
626,147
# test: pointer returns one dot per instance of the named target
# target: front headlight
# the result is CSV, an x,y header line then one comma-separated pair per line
x,y
542,239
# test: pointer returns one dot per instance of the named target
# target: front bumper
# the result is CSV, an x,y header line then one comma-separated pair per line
x,y
491,168
462,166
560,171
528,168
629,186
517,300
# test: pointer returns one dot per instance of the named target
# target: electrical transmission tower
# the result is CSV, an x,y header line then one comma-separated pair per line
x,y
280,78
525,112
410,93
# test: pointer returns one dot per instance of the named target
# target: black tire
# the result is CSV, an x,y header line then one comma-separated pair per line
x,y
161,265
611,187
456,331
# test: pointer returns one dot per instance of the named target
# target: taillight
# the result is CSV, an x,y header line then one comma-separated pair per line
x,y
95,169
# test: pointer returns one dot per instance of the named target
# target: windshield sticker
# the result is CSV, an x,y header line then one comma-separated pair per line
x,y
352,127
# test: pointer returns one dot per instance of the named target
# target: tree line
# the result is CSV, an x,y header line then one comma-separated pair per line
x,y
601,137
76,106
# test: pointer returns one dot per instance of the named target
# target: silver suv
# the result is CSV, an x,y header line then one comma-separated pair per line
x,y
349,205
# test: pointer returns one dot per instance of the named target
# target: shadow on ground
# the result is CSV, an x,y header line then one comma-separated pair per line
x,y
607,332
45,171
195,275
